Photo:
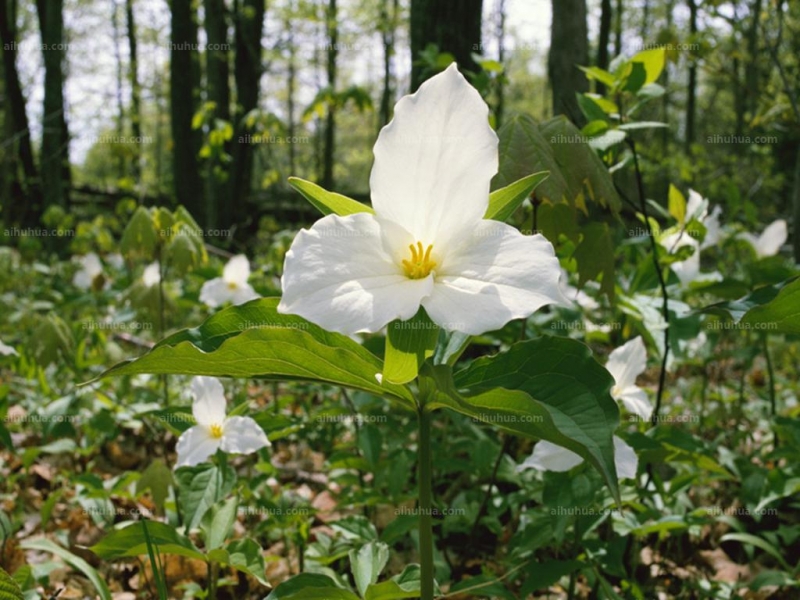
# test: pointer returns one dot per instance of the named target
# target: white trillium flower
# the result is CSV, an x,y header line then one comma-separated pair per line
x,y
625,364
427,243
116,261
152,274
551,457
232,286
91,267
770,241
6,350
579,297
697,208
689,269
214,431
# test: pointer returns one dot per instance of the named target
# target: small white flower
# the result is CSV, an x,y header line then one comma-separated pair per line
x,y
551,457
152,274
236,435
770,241
91,267
7,350
697,208
231,287
579,297
625,364
427,244
689,269
116,261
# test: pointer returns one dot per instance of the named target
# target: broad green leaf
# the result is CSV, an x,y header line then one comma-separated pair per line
x,y
590,108
367,562
747,538
77,563
544,574
199,488
548,388
328,202
642,125
636,77
218,521
254,340
503,202
408,344
157,478
131,541
595,256
404,585
244,555
9,589
677,204
310,586
599,74
140,236
653,62
772,308
607,140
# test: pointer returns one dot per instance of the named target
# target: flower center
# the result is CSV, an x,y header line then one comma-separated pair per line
x,y
216,431
421,263
232,285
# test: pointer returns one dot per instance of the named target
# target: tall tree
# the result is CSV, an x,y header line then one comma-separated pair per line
x,y
247,69
388,20
184,100
291,85
55,137
453,25
217,77
618,28
501,58
603,39
569,48
120,125
136,92
332,27
24,175
691,88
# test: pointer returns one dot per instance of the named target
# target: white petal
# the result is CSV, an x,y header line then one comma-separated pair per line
x,y
713,228
195,446
244,293
492,276
686,270
635,400
237,270
116,261
550,457
215,292
242,435
694,207
208,407
434,161
769,243
339,275
92,265
7,350
627,362
625,459
152,274
82,280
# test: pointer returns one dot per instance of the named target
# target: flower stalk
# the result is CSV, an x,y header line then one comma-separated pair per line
x,y
425,503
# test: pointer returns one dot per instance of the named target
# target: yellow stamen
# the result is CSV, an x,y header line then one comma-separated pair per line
x,y
216,431
421,263
232,286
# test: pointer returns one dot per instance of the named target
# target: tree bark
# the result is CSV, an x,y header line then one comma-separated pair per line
x,y
118,92
136,92
291,89
453,25
691,90
184,101
618,29
24,175
55,165
501,58
388,29
247,69
603,40
217,77
569,47
330,119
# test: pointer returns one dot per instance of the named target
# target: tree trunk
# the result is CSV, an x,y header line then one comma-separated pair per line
x,y
330,119
217,76
184,100
603,40
569,47
118,92
136,92
249,16
55,138
691,90
618,29
796,203
388,28
291,88
501,58
751,73
24,176
453,25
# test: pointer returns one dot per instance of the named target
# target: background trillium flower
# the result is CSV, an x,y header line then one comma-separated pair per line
x,y
7,350
91,267
770,241
427,243
625,364
152,274
697,208
236,435
232,286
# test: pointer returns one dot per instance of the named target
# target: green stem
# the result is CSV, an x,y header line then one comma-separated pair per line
x,y
425,504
